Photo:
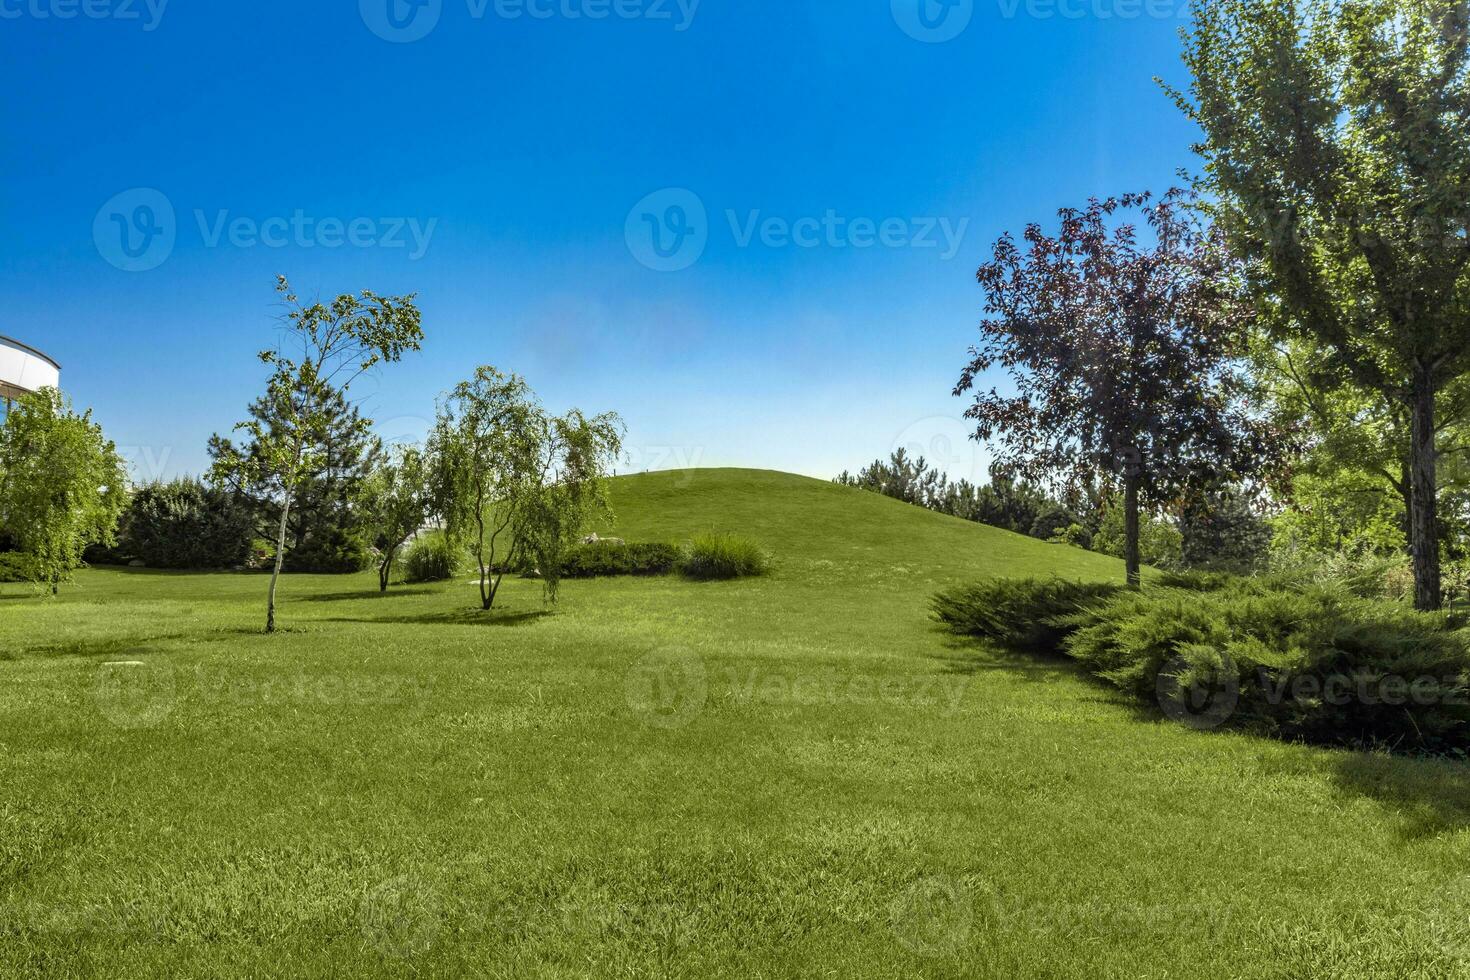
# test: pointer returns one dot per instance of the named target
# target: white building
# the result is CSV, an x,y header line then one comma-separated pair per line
x,y
23,370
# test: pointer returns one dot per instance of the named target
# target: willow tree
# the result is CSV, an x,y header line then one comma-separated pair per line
x,y
1125,358
1335,143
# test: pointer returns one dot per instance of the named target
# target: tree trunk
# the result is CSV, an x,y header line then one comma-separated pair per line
x,y
1131,549
270,609
1424,516
385,570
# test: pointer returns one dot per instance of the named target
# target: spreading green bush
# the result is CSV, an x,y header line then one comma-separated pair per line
x,y
431,558
1017,612
15,567
1315,664
1292,658
185,525
596,559
723,556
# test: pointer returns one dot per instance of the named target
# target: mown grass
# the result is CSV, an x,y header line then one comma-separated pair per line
x,y
796,775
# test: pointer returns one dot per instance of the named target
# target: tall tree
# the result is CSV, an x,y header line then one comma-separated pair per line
x,y
1125,356
1335,145
325,348
63,485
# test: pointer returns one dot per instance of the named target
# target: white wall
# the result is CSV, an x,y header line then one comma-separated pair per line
x,y
23,369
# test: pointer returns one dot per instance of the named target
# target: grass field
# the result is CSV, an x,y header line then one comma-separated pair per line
x,y
791,776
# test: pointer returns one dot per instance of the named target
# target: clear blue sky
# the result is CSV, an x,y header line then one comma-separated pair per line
x,y
520,148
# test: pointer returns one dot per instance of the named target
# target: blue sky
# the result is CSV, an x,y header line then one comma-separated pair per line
x,y
824,178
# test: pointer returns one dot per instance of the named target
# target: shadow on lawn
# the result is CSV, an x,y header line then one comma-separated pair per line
x,y
1426,797
364,594
454,617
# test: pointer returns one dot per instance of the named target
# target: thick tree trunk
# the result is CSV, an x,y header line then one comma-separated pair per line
x,y
1131,549
1424,515
270,609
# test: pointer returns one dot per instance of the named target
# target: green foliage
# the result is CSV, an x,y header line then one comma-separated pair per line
x,y
1315,663
187,525
396,502
330,550
63,486
1160,542
720,555
432,558
1223,531
515,483
597,559
303,432
15,567
1017,613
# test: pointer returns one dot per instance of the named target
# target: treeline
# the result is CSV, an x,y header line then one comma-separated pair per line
x,y
1218,532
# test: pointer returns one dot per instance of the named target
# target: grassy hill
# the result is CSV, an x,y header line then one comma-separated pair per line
x,y
791,776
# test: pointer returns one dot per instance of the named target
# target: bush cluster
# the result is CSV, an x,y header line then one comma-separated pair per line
x,y
1300,660
597,559
431,558
330,550
185,525
723,556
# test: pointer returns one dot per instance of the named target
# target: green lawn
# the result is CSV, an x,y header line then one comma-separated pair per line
x,y
794,776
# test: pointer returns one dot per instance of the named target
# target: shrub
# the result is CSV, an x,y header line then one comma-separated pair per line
x,y
1312,663
185,525
605,558
330,551
723,556
431,558
1017,612
15,567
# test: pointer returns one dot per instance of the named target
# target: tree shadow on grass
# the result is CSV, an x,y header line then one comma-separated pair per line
x,y
964,655
1425,797
454,617
372,593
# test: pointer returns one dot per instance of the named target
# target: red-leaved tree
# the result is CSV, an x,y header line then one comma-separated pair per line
x,y
1125,355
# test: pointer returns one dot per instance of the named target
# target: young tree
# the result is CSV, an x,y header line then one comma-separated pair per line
x,y
63,485
514,482
397,502
329,347
1334,141
1125,357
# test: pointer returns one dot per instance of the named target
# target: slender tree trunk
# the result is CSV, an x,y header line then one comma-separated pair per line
x,y
1424,515
385,571
270,609
1131,548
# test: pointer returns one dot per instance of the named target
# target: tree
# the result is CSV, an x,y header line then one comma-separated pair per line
x,y
900,477
1334,143
397,503
332,345
1221,530
184,524
514,482
63,485
1125,358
